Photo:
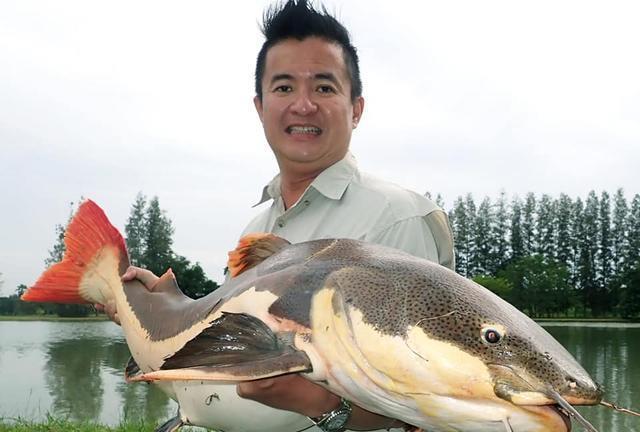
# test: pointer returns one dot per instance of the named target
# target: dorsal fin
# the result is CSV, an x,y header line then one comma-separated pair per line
x,y
167,283
252,249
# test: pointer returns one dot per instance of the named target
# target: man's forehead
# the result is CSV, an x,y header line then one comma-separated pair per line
x,y
308,58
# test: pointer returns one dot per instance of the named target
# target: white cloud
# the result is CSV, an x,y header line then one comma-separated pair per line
x,y
107,99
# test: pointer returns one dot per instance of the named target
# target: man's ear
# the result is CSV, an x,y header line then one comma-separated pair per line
x,y
358,108
258,104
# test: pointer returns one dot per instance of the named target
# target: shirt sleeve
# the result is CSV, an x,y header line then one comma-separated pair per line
x,y
427,236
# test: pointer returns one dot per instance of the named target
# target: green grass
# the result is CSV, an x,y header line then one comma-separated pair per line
x,y
58,425
100,317
52,424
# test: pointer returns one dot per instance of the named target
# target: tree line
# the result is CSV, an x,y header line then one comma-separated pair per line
x,y
149,238
553,256
548,256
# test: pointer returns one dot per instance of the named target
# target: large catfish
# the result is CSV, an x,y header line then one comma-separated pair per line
x,y
394,334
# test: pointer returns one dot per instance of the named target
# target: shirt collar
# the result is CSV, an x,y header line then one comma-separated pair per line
x,y
332,182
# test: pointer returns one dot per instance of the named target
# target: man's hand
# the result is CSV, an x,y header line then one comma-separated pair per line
x,y
294,393
145,277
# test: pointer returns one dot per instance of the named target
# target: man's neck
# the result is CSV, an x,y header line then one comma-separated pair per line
x,y
292,186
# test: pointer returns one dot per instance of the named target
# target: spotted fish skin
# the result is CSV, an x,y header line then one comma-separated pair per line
x,y
393,333
396,296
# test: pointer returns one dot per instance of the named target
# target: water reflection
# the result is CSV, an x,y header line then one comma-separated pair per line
x,y
76,370
610,355
138,400
74,378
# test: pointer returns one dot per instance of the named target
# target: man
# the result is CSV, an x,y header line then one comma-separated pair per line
x,y
309,100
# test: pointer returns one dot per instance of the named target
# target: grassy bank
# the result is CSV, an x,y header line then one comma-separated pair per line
x,y
100,317
58,425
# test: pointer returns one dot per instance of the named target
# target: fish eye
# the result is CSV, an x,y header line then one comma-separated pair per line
x,y
491,335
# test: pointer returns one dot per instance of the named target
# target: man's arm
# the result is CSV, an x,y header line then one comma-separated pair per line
x,y
427,237
294,393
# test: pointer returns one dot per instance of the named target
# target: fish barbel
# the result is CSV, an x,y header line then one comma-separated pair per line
x,y
392,333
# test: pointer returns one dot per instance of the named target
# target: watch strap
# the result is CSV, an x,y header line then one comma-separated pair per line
x,y
336,419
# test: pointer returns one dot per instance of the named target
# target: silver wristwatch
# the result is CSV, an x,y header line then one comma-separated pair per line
x,y
335,420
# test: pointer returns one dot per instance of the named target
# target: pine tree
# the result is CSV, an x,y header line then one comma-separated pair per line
x,y
461,235
605,253
619,233
136,230
158,253
517,244
589,279
633,255
472,252
439,201
56,254
579,263
483,239
545,223
500,233
528,225
565,254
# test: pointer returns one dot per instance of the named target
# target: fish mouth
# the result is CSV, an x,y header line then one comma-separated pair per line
x,y
552,411
514,388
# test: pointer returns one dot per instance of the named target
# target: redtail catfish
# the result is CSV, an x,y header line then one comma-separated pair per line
x,y
392,333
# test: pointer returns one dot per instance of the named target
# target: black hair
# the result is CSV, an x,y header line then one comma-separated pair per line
x,y
298,19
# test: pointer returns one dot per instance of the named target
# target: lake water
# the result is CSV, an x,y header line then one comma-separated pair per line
x,y
74,370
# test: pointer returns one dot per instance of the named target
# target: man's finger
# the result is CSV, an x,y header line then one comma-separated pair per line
x,y
147,278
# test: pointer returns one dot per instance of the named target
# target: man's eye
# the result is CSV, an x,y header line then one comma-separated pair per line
x,y
282,89
326,89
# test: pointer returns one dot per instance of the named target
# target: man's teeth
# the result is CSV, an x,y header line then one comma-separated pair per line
x,y
304,130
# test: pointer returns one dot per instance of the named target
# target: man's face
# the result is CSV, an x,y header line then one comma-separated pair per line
x,y
306,108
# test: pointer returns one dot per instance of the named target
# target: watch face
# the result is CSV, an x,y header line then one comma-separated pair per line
x,y
337,421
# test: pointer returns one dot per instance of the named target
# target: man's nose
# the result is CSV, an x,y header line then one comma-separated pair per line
x,y
303,104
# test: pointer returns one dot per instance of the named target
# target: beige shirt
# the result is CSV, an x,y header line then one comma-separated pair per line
x,y
343,202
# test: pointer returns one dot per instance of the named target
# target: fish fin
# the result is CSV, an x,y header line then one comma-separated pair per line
x,y
291,361
92,247
132,370
233,338
171,425
236,347
252,249
167,284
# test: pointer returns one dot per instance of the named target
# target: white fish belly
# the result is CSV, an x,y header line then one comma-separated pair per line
x,y
427,383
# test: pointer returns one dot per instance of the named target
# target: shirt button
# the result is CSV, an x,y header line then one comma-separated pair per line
x,y
280,224
307,202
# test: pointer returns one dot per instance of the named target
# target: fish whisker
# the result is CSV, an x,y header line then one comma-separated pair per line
x,y
507,425
619,408
566,406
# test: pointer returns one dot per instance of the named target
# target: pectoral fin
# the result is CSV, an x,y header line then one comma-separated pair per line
x,y
236,347
132,370
291,362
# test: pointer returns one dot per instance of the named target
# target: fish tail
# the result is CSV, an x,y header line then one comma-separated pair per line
x,y
95,257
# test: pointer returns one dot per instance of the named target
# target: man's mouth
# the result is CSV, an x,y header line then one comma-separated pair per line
x,y
303,130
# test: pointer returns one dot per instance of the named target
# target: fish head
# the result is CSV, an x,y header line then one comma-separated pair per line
x,y
525,364
414,340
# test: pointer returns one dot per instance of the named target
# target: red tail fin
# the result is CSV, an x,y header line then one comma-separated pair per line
x,y
91,242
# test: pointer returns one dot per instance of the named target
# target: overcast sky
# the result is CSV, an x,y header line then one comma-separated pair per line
x,y
106,99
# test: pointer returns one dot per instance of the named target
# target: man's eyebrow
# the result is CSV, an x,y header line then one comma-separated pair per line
x,y
282,76
327,76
